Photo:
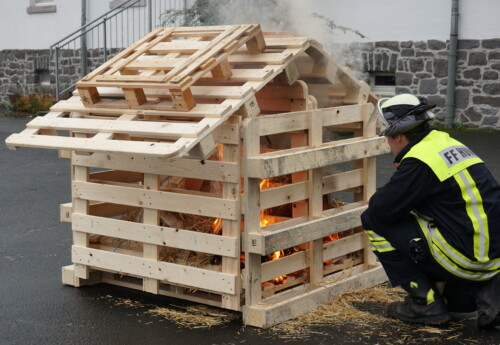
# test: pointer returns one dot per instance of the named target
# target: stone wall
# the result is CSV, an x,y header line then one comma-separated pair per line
x,y
20,70
420,67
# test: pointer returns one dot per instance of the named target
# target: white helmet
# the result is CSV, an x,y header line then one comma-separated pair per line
x,y
402,113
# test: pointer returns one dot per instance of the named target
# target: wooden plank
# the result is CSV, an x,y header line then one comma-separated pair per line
x,y
288,161
155,149
315,192
330,222
159,235
207,170
151,217
232,191
343,246
285,42
252,278
125,53
200,110
268,314
79,174
288,264
258,59
144,129
244,75
287,122
199,92
283,195
153,62
117,176
342,181
166,272
178,46
168,201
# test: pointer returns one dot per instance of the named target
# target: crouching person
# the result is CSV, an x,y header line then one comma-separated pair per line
x,y
435,226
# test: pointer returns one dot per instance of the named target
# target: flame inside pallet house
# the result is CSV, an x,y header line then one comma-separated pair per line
x,y
220,165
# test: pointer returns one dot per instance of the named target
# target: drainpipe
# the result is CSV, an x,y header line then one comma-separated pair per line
x,y
452,67
83,40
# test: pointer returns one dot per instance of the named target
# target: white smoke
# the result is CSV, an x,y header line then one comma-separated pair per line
x,y
299,17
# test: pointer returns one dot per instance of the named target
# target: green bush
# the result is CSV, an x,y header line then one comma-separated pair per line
x,y
31,104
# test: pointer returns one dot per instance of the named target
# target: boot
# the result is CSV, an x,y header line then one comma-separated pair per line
x,y
422,305
488,304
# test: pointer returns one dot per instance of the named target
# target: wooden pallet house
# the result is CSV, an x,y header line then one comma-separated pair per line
x,y
220,165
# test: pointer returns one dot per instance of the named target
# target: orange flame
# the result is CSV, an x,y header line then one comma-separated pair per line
x,y
217,226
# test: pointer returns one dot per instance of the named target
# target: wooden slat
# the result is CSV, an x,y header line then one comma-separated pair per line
x,y
95,145
269,58
164,271
178,46
287,122
158,235
330,222
268,314
207,170
343,246
288,264
288,161
168,201
200,110
145,129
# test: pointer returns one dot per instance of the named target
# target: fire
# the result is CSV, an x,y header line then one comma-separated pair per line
x,y
217,226
331,238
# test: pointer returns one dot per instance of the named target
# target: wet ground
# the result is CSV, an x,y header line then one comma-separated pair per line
x,y
35,308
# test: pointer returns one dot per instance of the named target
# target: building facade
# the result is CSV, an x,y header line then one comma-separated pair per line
x,y
396,46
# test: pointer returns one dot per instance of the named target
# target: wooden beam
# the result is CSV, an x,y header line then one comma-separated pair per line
x,y
168,201
268,314
158,235
288,161
203,279
328,223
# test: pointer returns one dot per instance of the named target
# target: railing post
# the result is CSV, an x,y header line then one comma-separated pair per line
x,y
83,41
150,15
105,40
57,74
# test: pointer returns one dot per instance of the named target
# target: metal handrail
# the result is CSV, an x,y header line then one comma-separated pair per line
x,y
121,8
104,27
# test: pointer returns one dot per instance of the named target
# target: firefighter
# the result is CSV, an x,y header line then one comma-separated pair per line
x,y
435,226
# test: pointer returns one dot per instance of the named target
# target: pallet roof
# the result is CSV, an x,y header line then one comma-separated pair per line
x,y
166,94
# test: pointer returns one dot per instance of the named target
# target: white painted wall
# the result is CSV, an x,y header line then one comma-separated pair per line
x,y
380,20
20,30
400,20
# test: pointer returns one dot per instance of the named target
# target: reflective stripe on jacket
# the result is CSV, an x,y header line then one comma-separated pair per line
x,y
451,160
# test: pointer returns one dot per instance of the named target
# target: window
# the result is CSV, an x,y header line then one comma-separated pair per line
x,y
116,3
383,84
42,77
41,6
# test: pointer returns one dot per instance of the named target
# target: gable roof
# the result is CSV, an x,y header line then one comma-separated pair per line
x,y
165,94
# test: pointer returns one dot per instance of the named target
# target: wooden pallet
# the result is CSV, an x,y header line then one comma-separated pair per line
x,y
170,61
159,110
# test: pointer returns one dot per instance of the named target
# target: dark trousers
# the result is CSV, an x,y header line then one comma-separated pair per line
x,y
402,265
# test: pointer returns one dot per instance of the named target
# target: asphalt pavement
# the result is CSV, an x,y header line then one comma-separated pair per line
x,y
35,308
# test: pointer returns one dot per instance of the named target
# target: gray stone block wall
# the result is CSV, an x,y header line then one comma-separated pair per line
x,y
421,68
18,70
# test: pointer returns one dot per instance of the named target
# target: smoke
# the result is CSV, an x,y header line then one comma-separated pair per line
x,y
300,18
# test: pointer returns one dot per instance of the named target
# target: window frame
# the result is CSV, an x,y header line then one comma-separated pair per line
x,y
37,6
